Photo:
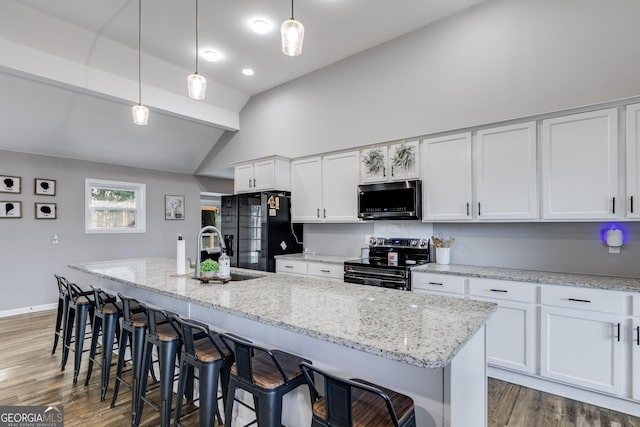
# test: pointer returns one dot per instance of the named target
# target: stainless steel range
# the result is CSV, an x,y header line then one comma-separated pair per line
x,y
389,263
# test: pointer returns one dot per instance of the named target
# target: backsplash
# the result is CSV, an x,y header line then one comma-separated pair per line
x,y
557,247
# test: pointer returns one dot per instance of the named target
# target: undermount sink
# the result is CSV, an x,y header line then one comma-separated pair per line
x,y
237,277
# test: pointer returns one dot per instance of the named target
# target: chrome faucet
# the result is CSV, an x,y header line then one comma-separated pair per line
x,y
209,228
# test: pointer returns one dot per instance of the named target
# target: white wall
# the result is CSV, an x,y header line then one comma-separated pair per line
x,y
498,61
29,260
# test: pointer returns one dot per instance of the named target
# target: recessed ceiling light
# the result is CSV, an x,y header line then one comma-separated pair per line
x,y
212,55
247,72
260,26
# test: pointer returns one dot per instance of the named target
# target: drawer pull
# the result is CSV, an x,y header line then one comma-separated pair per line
x,y
325,271
638,335
288,266
579,300
504,291
436,283
618,336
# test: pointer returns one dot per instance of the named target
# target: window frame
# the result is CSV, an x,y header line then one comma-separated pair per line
x,y
140,208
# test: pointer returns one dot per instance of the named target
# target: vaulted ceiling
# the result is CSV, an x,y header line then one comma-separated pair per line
x,y
68,69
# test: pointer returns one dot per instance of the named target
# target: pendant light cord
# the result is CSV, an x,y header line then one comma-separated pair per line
x,y
139,52
196,36
292,10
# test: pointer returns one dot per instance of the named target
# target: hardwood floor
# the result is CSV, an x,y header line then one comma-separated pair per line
x,y
30,375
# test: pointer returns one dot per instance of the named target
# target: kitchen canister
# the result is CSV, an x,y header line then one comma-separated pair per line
x,y
443,255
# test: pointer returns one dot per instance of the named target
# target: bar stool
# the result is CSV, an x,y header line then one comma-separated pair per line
x,y
266,374
79,310
164,335
356,403
134,325
206,352
105,323
61,315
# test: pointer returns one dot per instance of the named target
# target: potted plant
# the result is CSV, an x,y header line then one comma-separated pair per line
x,y
208,268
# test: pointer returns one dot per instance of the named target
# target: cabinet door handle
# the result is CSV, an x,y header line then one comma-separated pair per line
x,y
384,172
324,213
325,271
468,208
318,213
436,283
479,209
579,300
613,207
637,335
249,182
254,182
618,336
631,203
504,291
288,266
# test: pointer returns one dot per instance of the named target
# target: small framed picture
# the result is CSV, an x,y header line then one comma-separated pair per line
x,y
173,207
45,187
10,209
10,184
46,211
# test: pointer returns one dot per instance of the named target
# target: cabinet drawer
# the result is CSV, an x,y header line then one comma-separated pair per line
x,y
291,267
437,282
503,289
583,298
323,269
636,306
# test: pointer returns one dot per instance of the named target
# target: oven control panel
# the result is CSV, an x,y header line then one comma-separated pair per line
x,y
394,242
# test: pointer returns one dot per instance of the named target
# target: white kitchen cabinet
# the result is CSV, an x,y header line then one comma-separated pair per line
x,y
271,173
505,173
326,270
394,162
511,336
324,189
339,187
306,189
635,349
581,340
633,161
580,166
446,178
293,267
443,284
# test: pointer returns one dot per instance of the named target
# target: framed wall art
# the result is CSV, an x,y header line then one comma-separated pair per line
x,y
10,209
46,211
45,187
10,184
173,207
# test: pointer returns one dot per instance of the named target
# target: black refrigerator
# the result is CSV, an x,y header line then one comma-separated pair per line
x,y
257,226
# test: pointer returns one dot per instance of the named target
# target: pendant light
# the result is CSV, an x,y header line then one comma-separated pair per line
x,y
140,112
292,33
197,84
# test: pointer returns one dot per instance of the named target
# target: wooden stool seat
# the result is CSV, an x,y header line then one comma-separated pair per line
x,y
207,352
110,308
265,373
166,332
355,402
82,300
369,410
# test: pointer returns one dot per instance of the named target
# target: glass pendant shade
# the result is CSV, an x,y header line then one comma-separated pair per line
x,y
140,114
197,86
292,33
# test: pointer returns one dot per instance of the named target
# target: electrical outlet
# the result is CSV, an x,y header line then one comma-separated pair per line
x,y
54,239
367,237
614,250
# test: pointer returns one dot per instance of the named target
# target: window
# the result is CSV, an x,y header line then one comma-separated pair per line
x,y
114,207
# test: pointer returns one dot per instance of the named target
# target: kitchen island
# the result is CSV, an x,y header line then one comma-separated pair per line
x,y
429,347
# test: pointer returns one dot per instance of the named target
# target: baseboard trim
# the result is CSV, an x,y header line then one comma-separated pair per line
x,y
614,403
25,310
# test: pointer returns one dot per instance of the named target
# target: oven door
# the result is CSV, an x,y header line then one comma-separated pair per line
x,y
395,279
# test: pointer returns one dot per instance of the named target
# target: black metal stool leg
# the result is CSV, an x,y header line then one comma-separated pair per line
x,y
228,407
108,334
68,332
81,325
59,324
97,326
208,388
124,339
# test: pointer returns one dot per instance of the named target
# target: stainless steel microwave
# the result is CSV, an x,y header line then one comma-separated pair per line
x,y
390,200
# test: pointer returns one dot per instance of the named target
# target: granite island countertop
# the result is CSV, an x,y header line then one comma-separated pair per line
x,y
420,330
534,276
